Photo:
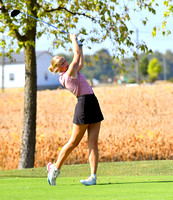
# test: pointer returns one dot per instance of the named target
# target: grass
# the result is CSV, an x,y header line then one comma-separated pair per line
x,y
141,180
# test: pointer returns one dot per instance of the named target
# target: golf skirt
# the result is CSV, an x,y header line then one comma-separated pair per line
x,y
87,110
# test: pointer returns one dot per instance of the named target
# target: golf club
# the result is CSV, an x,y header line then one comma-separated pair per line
x,y
14,13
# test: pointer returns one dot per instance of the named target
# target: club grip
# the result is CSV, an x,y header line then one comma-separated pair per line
x,y
79,41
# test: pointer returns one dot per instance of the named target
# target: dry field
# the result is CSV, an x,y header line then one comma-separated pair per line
x,y
138,125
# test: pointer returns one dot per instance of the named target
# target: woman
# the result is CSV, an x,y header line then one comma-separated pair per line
x,y
87,115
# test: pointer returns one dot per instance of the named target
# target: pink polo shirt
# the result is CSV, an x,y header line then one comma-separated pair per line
x,y
78,86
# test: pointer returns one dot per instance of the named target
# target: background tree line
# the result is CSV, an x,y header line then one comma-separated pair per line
x,y
102,67
156,66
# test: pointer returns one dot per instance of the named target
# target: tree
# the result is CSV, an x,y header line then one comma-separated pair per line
x,y
109,22
154,68
99,66
143,66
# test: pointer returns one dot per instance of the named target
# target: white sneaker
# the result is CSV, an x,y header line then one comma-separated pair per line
x,y
89,181
53,172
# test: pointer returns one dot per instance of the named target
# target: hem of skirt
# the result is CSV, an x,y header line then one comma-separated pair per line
x,y
83,123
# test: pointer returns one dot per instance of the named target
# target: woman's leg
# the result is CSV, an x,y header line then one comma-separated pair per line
x,y
93,133
77,134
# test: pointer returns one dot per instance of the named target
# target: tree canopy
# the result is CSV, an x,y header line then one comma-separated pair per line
x,y
106,19
154,68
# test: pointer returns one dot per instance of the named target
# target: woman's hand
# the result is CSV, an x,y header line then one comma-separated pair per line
x,y
72,37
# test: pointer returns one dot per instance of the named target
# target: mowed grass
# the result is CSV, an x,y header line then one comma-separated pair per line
x,y
142,180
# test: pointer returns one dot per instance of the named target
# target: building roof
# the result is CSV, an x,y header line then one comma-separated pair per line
x,y
19,58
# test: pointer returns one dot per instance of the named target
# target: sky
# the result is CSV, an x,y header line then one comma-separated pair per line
x,y
158,43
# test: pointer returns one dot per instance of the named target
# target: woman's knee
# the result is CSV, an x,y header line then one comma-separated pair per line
x,y
73,144
93,144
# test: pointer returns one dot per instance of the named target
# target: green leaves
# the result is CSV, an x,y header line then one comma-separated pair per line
x,y
150,9
166,14
154,32
154,68
169,9
145,21
165,3
164,24
75,19
105,20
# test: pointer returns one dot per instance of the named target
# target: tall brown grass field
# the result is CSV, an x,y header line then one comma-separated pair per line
x,y
138,125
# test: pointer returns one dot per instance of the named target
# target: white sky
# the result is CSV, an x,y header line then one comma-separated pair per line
x,y
158,43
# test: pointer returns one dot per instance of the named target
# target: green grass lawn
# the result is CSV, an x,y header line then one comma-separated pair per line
x,y
143,180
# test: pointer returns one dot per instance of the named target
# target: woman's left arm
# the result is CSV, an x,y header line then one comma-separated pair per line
x,y
81,59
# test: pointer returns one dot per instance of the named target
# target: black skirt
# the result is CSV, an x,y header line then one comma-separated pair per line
x,y
87,110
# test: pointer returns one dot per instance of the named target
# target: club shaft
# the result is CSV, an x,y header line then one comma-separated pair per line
x,y
45,23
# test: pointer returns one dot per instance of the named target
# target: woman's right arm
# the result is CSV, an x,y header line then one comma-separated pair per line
x,y
73,68
81,59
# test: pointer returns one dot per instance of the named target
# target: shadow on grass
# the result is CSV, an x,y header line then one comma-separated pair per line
x,y
141,182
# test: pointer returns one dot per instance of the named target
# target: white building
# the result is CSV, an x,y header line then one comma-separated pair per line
x,y
14,72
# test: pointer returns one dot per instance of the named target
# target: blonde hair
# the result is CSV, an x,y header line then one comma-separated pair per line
x,y
55,61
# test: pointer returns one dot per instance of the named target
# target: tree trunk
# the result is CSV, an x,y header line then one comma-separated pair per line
x,y
29,123
27,152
